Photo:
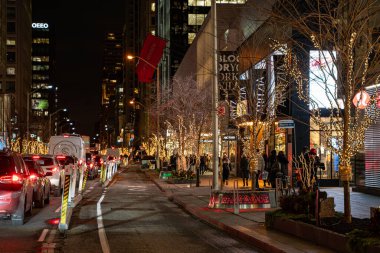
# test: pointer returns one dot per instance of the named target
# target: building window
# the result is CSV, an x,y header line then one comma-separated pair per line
x,y
11,12
11,57
190,37
153,7
40,58
11,27
196,19
40,67
10,86
11,42
199,2
41,41
11,71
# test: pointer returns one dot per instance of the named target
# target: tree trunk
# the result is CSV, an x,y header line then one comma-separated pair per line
x,y
347,203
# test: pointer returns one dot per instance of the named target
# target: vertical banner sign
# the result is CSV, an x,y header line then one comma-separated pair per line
x,y
228,67
151,54
65,198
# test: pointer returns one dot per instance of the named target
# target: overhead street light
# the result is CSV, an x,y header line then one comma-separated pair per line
x,y
131,57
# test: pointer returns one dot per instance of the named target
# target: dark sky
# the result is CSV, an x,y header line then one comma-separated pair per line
x,y
80,29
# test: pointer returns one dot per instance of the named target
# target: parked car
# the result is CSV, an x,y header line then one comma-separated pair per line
x,y
42,185
91,168
16,187
49,163
98,162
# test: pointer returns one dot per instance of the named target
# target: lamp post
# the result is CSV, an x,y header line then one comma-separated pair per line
x,y
130,57
57,111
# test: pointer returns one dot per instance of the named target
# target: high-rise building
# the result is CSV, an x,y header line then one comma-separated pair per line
x,y
42,91
112,88
15,66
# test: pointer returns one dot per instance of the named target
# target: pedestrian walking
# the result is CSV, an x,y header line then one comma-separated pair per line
x,y
244,169
226,169
202,164
260,168
274,168
283,161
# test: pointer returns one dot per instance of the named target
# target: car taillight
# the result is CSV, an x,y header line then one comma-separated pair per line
x,y
32,176
54,169
61,157
15,179
91,165
101,161
36,157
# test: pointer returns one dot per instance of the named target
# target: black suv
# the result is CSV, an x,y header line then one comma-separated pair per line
x,y
16,187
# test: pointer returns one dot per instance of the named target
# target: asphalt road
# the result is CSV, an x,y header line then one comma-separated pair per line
x,y
27,238
133,215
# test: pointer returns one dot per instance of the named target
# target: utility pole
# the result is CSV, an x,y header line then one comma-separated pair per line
x,y
215,98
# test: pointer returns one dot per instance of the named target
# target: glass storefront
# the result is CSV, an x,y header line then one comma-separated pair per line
x,y
279,139
229,147
327,157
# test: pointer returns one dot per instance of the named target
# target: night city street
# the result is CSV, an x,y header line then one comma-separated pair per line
x,y
189,126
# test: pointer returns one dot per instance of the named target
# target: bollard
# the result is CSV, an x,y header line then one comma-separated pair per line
x,y
236,197
65,198
85,179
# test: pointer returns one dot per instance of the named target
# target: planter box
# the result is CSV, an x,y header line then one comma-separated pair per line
x,y
319,236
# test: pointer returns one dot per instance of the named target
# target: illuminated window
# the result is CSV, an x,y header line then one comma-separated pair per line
x,y
11,42
40,58
41,41
196,19
11,71
153,32
153,7
40,67
190,37
199,2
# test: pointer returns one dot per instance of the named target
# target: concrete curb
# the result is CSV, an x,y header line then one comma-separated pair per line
x,y
267,247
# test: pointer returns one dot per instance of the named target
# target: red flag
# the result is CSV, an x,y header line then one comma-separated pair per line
x,y
150,55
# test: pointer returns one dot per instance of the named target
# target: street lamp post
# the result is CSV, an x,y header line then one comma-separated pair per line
x,y
130,57
63,109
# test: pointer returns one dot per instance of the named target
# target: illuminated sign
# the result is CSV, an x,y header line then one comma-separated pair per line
x,y
40,104
40,25
361,99
246,199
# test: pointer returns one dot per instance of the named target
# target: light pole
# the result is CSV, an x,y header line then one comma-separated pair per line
x,y
28,108
57,111
130,57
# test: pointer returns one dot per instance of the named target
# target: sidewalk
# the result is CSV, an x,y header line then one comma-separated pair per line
x,y
248,226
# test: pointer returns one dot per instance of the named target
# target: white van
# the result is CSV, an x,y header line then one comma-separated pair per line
x,y
68,144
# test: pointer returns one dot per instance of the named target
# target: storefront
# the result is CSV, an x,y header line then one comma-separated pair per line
x,y
229,147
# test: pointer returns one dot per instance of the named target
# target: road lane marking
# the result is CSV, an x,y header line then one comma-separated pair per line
x,y
101,231
43,235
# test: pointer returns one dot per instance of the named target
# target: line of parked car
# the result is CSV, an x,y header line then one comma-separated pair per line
x,y
26,181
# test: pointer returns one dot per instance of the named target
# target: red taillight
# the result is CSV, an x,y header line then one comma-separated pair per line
x,y
65,136
36,157
33,176
101,161
91,165
54,169
11,179
61,157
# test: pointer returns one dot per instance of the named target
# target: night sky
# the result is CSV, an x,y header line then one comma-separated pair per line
x,y
80,30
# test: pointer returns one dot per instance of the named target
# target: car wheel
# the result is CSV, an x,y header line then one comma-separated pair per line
x,y
47,200
29,212
41,202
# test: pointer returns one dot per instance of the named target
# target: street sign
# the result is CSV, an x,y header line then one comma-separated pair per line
x,y
286,123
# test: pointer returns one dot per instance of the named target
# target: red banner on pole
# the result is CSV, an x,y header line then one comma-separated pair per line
x,y
150,55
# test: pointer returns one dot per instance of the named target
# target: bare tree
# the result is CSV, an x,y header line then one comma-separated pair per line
x,y
187,113
341,40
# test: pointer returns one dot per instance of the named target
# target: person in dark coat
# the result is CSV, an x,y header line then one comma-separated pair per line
x,y
226,169
273,167
283,162
244,168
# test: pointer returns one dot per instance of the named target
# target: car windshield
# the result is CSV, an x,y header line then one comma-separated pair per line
x,y
7,165
45,161
31,166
